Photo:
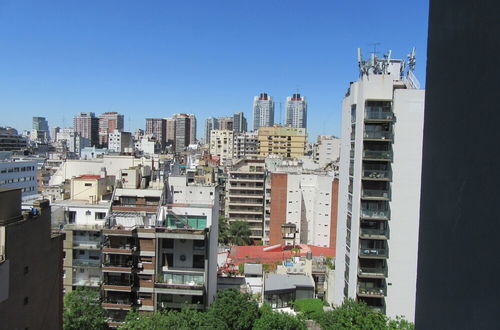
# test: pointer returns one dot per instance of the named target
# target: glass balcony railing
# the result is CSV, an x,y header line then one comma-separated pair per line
x,y
375,193
372,271
377,135
376,174
86,263
371,291
377,114
378,154
369,232
182,279
376,214
373,252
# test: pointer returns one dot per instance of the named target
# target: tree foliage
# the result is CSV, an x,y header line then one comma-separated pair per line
x,y
82,310
272,320
311,309
223,230
237,310
239,233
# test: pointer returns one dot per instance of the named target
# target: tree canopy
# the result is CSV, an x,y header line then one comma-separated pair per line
x,y
82,310
239,233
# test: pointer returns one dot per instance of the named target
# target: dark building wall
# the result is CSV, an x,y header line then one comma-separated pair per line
x,y
457,286
35,298
335,204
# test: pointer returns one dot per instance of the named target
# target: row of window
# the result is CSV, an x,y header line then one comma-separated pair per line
x,y
18,169
14,180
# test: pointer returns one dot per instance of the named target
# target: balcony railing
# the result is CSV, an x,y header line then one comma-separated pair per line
x,y
377,135
381,115
376,174
376,214
87,245
87,282
86,263
375,193
376,292
187,280
370,271
377,154
373,252
370,232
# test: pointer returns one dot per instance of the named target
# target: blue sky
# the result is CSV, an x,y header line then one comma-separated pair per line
x,y
156,58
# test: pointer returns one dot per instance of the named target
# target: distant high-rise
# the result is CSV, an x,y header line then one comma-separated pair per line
x,y
239,122
40,129
157,128
87,125
108,123
170,127
263,111
192,129
182,130
296,111
226,123
210,124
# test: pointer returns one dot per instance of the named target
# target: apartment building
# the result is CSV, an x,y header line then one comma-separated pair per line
x,y
109,122
296,111
19,174
308,201
210,124
120,141
31,274
263,111
326,150
239,122
379,188
10,140
221,144
283,141
170,127
156,127
160,251
246,144
86,124
245,194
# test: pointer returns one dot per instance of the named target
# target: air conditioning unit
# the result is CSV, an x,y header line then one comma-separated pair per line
x,y
140,265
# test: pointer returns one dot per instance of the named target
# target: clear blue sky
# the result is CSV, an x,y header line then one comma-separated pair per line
x,y
156,58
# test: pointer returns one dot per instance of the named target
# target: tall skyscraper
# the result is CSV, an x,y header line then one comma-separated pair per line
x,y
210,124
296,111
40,129
87,125
182,131
157,128
263,111
379,188
170,140
239,122
192,129
108,123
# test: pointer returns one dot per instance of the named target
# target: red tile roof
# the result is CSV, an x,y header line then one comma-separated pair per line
x,y
271,254
89,176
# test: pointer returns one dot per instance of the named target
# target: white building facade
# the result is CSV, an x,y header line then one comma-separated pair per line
x,y
263,111
221,144
120,141
379,189
326,150
19,174
296,111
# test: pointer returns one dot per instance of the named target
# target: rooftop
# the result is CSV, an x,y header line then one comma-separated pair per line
x,y
278,282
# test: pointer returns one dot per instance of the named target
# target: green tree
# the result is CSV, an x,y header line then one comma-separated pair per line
x,y
223,230
82,310
239,233
271,320
400,323
310,309
237,310
352,315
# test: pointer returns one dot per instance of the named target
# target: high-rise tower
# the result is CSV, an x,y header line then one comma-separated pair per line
x,y
263,111
296,111
379,189
87,125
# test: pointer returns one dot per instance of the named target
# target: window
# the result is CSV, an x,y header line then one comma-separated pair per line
x,y
100,215
198,261
88,185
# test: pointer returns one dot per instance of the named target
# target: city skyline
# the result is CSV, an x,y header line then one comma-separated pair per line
x,y
209,72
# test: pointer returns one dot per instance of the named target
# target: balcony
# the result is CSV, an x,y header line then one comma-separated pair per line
x,y
116,285
179,305
376,214
87,245
371,272
377,136
377,292
117,267
179,280
375,115
375,194
91,282
86,263
374,233
110,303
382,155
373,252
119,248
377,175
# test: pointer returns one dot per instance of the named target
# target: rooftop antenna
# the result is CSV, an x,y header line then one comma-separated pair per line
x,y
412,60
375,44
